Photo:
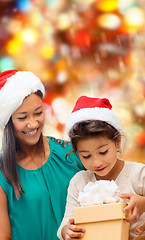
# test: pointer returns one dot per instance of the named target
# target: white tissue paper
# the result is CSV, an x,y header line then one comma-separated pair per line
x,y
99,192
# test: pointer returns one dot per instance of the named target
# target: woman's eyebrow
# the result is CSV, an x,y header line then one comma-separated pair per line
x,y
20,113
26,112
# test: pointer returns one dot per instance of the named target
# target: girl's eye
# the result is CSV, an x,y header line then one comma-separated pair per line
x,y
86,157
103,153
38,113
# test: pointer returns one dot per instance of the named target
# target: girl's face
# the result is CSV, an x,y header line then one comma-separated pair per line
x,y
28,120
99,155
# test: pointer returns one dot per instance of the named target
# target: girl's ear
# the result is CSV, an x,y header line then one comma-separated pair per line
x,y
118,144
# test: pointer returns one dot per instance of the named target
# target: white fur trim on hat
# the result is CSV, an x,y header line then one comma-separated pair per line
x,y
12,94
102,114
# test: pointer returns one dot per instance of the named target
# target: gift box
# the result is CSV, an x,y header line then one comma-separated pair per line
x,y
103,221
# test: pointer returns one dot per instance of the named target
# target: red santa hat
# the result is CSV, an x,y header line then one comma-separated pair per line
x,y
14,87
88,108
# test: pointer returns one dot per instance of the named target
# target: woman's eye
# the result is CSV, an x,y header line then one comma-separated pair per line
x,y
103,153
38,113
21,118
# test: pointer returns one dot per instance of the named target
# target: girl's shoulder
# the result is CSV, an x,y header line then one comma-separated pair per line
x,y
83,176
136,175
131,170
134,166
135,170
80,180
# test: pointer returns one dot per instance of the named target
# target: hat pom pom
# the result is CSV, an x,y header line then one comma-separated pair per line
x,y
106,103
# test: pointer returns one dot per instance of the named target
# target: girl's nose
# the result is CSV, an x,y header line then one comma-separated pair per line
x,y
98,162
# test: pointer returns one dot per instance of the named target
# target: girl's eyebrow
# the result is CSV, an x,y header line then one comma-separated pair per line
x,y
82,151
102,146
97,148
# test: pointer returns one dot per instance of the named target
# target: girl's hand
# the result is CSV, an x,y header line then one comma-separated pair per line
x,y
71,231
136,206
141,237
140,230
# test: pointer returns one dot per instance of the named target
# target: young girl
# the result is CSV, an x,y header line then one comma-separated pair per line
x,y
95,133
34,173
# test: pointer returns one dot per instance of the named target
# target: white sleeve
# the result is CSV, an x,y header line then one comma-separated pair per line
x,y
138,178
76,185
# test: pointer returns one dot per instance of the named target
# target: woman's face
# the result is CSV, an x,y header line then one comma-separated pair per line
x,y
99,155
28,120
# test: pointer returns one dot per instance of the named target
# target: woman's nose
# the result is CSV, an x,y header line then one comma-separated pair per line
x,y
32,123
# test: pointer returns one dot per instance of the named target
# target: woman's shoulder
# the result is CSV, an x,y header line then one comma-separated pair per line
x,y
3,183
61,151
59,145
0,161
59,142
7,188
1,175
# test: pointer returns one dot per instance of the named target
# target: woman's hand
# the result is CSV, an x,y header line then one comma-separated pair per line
x,y
136,206
71,231
140,230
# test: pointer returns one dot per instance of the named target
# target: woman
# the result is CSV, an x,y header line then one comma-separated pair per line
x,y
34,173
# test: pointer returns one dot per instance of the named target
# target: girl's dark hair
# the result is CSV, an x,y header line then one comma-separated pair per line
x,y
91,128
10,147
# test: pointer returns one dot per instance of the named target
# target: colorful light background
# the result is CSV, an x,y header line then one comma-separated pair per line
x,y
77,47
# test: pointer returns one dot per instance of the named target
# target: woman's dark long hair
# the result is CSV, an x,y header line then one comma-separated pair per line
x,y
10,147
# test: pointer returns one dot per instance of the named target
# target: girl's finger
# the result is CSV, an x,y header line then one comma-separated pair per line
x,y
125,195
141,229
71,220
74,235
75,228
129,207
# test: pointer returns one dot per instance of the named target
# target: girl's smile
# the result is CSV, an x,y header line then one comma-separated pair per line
x,y
100,169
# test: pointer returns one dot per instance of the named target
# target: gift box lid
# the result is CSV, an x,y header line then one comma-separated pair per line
x,y
101,212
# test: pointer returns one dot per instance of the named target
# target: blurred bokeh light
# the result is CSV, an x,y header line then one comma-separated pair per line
x,y
76,47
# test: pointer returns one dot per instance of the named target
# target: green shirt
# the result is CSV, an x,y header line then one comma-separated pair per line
x,y
39,211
